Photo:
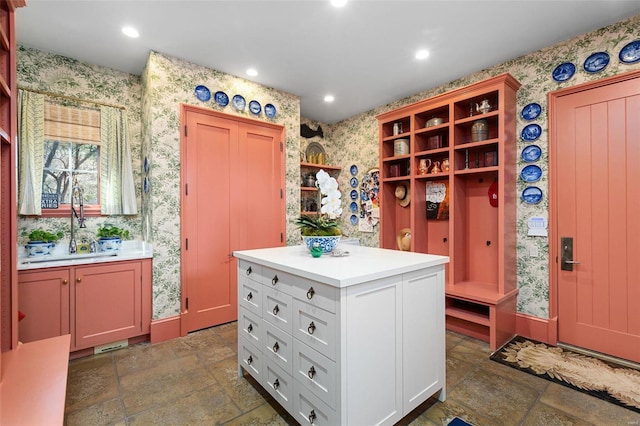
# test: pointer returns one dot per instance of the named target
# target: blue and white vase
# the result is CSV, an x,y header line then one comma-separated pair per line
x,y
326,243
38,248
109,243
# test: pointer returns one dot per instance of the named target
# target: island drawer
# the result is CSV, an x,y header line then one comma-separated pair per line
x,y
277,347
279,384
315,371
315,327
277,308
250,359
316,294
250,326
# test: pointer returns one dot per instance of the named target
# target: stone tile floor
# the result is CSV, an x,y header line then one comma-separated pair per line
x,y
193,380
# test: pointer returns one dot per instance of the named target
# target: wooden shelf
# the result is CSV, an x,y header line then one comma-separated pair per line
x,y
319,166
479,238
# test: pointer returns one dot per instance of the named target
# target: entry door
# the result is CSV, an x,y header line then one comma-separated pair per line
x,y
233,174
596,162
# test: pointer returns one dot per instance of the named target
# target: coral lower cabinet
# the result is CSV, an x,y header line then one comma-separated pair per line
x,y
96,304
460,171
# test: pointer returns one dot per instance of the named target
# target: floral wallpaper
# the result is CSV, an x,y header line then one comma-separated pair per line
x,y
42,71
356,139
167,83
153,99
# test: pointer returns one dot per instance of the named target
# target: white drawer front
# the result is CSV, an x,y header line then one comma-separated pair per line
x,y
279,384
277,308
249,270
250,326
315,327
250,295
277,347
316,294
309,410
250,359
315,371
277,280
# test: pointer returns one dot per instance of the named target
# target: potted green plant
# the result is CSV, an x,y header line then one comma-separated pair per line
x,y
110,237
41,242
323,230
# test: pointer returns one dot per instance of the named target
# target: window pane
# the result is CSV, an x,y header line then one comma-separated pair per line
x,y
85,157
56,155
89,184
53,182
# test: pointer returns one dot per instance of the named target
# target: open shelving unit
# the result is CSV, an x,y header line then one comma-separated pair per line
x,y
311,192
478,236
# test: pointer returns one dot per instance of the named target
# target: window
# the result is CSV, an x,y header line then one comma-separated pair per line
x,y
71,155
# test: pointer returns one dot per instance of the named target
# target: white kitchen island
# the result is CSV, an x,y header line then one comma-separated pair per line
x,y
356,340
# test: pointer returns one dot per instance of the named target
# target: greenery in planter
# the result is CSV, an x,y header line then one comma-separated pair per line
x,y
39,234
110,231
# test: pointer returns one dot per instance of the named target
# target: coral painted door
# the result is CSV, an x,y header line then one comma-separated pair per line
x,y
233,178
595,156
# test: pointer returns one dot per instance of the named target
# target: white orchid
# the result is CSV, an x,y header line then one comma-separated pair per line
x,y
325,223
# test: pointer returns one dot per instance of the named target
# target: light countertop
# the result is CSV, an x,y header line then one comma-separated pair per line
x,y
129,250
361,265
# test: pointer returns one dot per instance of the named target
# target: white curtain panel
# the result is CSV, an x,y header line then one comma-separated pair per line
x,y
30,152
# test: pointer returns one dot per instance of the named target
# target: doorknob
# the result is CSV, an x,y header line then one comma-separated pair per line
x,y
566,247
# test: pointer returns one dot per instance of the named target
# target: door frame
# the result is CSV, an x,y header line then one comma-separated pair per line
x,y
184,109
554,266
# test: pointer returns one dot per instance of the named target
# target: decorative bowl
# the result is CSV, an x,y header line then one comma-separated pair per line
x,y
326,243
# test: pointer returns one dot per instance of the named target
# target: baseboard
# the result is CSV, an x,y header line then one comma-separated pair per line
x,y
165,329
540,329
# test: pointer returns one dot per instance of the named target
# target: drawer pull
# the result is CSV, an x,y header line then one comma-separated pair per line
x,y
79,279
249,296
312,416
310,293
276,309
249,360
311,372
274,280
250,328
276,384
276,346
311,328
249,270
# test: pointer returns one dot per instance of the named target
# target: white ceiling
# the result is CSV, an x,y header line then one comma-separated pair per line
x,y
362,53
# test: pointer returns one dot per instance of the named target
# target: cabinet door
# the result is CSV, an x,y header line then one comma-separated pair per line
x,y
374,352
107,303
44,299
423,336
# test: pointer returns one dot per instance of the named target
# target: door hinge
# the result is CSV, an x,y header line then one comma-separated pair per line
x,y
186,189
185,130
281,147
186,244
280,192
186,302
281,237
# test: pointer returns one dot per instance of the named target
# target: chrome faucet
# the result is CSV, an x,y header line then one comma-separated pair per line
x,y
76,192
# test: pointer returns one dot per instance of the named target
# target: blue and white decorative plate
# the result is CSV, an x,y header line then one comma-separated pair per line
x,y
255,107
353,207
531,153
203,93
531,132
596,62
564,72
221,98
353,219
532,195
239,102
354,182
353,170
630,53
531,173
354,194
146,165
145,184
531,111
269,110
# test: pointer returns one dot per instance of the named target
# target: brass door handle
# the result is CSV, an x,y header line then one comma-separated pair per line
x,y
65,281
78,279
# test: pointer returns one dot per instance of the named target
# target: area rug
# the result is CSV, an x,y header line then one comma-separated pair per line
x,y
605,380
457,421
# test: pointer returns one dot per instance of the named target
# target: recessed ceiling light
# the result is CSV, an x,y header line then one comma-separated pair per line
x,y
329,98
252,72
130,31
338,3
422,54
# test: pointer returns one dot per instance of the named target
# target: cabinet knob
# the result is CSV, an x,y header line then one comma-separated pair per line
x,y
276,384
79,279
310,293
275,348
311,328
274,281
249,360
65,281
250,328
311,372
276,309
249,270
312,416
444,240
249,296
